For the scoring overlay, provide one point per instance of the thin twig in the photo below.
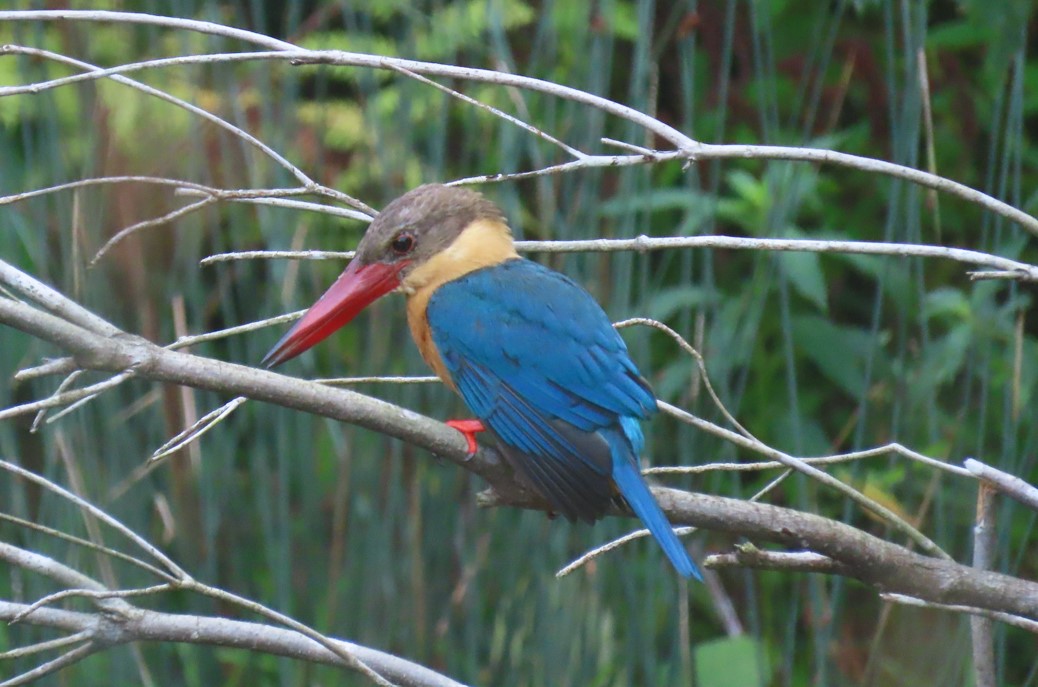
(491, 109)
(89, 594)
(39, 647)
(115, 75)
(345, 381)
(95, 72)
(259, 199)
(197, 429)
(176, 570)
(1007, 618)
(594, 553)
(345, 654)
(819, 460)
(899, 523)
(77, 397)
(1021, 270)
(86, 543)
(100, 181)
(63, 661)
(690, 149)
(153, 222)
(749, 556)
(65, 383)
(276, 255)
(700, 363)
(59, 399)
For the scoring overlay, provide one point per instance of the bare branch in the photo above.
(68, 658)
(153, 626)
(96, 594)
(1009, 485)
(599, 551)
(151, 20)
(154, 222)
(825, 478)
(981, 630)
(39, 647)
(257, 198)
(749, 556)
(818, 460)
(196, 430)
(129, 624)
(492, 110)
(97, 513)
(54, 302)
(65, 397)
(99, 181)
(86, 543)
(115, 75)
(276, 254)
(686, 147)
(874, 561)
(1007, 618)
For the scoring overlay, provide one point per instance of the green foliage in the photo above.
(812, 352)
(730, 662)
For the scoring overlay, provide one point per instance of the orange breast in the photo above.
(418, 322)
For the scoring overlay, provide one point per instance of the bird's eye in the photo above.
(403, 243)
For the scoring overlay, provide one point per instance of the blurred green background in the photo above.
(369, 540)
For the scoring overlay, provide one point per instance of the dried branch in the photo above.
(1004, 482)
(684, 147)
(981, 628)
(818, 545)
(1008, 619)
(133, 624)
(882, 564)
(1020, 270)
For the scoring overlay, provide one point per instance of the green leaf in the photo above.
(729, 662)
(837, 351)
(945, 357)
(659, 199)
(804, 271)
(670, 301)
(947, 302)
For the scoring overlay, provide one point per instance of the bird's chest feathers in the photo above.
(482, 244)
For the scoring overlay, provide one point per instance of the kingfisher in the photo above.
(531, 353)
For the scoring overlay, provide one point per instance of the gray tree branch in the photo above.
(883, 565)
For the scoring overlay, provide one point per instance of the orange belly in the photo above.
(418, 322)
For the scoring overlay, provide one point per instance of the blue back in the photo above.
(535, 357)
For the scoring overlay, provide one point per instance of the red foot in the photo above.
(469, 428)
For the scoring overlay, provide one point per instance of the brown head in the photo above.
(400, 249)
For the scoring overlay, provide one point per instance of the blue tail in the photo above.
(634, 489)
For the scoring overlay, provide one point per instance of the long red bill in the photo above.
(356, 288)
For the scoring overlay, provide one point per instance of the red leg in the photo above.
(469, 428)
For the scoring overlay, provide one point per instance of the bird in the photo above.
(531, 353)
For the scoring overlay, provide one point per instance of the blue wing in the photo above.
(536, 358)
